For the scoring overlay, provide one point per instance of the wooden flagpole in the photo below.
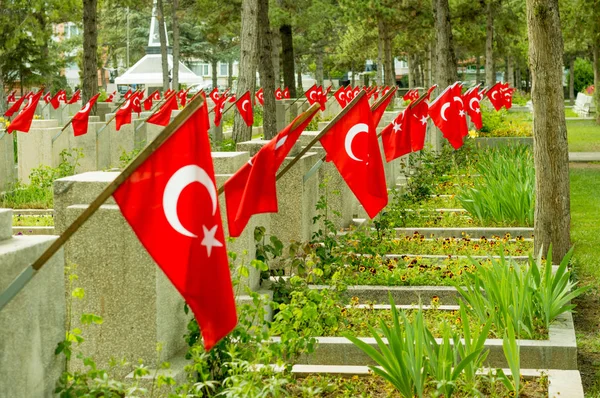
(154, 110)
(25, 276)
(114, 114)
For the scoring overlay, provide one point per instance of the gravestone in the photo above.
(7, 161)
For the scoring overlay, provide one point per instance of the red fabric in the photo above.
(214, 95)
(416, 123)
(430, 90)
(22, 121)
(396, 138)
(278, 94)
(260, 97)
(356, 91)
(352, 145)
(148, 103)
(231, 99)
(55, 101)
(244, 106)
(76, 97)
(380, 109)
(328, 89)
(183, 97)
(408, 95)
(349, 94)
(507, 93)
(340, 96)
(448, 115)
(47, 97)
(12, 96)
(312, 94)
(171, 203)
(471, 100)
(219, 105)
(252, 189)
(321, 98)
(163, 116)
(128, 94)
(286, 93)
(495, 96)
(15, 107)
(80, 120)
(155, 95)
(123, 114)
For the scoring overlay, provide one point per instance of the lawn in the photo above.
(584, 136)
(585, 235)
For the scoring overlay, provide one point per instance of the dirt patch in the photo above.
(584, 165)
(587, 324)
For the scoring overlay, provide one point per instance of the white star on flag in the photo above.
(397, 127)
(461, 113)
(477, 110)
(209, 240)
(424, 120)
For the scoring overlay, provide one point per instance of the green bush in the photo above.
(584, 74)
(505, 124)
(505, 191)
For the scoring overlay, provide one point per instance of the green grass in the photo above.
(569, 112)
(585, 236)
(584, 136)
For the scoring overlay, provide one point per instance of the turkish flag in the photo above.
(136, 99)
(278, 94)
(252, 189)
(155, 96)
(55, 101)
(80, 120)
(429, 91)
(448, 115)
(408, 95)
(128, 94)
(183, 97)
(416, 124)
(76, 97)
(340, 96)
(260, 96)
(396, 138)
(286, 93)
(380, 109)
(312, 94)
(163, 116)
(171, 203)
(349, 94)
(219, 106)
(471, 100)
(321, 98)
(123, 114)
(244, 106)
(352, 145)
(214, 95)
(22, 121)
(110, 97)
(12, 96)
(47, 97)
(507, 93)
(495, 96)
(356, 91)
(15, 107)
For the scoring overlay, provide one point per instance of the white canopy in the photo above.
(148, 71)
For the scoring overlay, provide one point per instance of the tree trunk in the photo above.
(247, 68)
(445, 59)
(90, 52)
(162, 36)
(3, 104)
(572, 80)
(506, 71)
(490, 71)
(411, 72)
(213, 72)
(353, 79)
(265, 69)
(276, 43)
(230, 73)
(551, 150)
(300, 87)
(429, 72)
(379, 61)
(389, 76)
(287, 55)
(477, 69)
(175, 29)
(518, 79)
(319, 67)
(511, 71)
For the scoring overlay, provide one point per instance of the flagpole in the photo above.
(154, 110)
(297, 98)
(28, 273)
(114, 114)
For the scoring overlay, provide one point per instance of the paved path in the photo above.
(584, 156)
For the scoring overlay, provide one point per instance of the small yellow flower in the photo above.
(403, 278)
(435, 300)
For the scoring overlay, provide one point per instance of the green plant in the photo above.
(127, 157)
(505, 192)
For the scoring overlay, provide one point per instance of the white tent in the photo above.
(148, 71)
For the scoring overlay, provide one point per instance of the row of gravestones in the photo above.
(121, 282)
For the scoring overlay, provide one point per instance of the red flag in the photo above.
(507, 93)
(128, 94)
(244, 106)
(219, 106)
(171, 203)
(22, 121)
(312, 94)
(396, 137)
(286, 93)
(495, 96)
(349, 94)
(214, 95)
(155, 96)
(408, 95)
(340, 96)
(380, 109)
(278, 94)
(471, 99)
(353, 147)
(252, 189)
(321, 98)
(136, 105)
(62, 96)
(183, 97)
(260, 96)
(76, 97)
(448, 115)
(47, 97)
(12, 96)
(416, 124)
(328, 90)
(429, 91)
(231, 99)
(80, 120)
(163, 116)
(55, 101)
(123, 114)
(15, 107)
(356, 91)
